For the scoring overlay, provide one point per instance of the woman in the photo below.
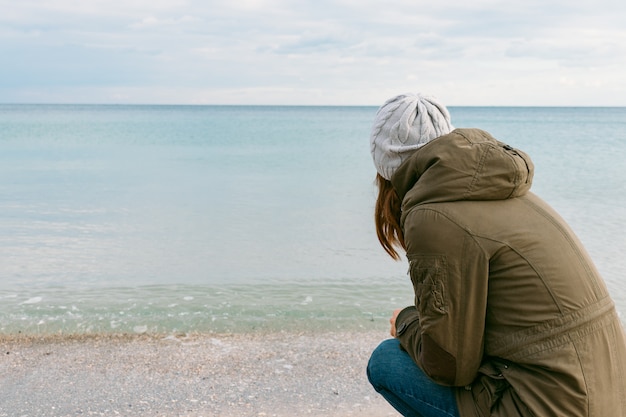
(511, 318)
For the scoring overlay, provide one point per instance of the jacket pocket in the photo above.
(488, 389)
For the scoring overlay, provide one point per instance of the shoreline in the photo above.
(253, 374)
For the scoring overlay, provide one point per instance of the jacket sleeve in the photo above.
(444, 333)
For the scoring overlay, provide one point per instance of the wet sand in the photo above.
(276, 374)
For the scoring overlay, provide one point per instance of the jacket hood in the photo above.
(466, 164)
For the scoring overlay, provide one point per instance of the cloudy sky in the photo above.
(341, 52)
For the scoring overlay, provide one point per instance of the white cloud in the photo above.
(324, 52)
(591, 49)
(153, 22)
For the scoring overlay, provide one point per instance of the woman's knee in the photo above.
(386, 349)
(381, 361)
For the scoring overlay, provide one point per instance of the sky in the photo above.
(317, 52)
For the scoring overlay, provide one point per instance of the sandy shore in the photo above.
(278, 374)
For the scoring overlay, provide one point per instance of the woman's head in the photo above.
(402, 125)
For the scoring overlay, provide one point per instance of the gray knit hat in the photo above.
(404, 124)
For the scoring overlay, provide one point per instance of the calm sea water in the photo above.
(236, 219)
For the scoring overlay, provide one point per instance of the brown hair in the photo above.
(387, 218)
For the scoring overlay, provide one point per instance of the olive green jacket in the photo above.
(508, 305)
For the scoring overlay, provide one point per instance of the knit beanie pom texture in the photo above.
(402, 125)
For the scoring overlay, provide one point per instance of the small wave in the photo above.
(33, 300)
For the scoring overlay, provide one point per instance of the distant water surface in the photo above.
(244, 218)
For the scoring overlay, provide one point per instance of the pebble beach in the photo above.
(275, 374)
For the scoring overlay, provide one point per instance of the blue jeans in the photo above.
(395, 376)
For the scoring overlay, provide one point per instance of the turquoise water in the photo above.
(234, 218)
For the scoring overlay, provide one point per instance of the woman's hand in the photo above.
(392, 321)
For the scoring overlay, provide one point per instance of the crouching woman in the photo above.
(511, 318)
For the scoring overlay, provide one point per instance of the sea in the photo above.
(233, 219)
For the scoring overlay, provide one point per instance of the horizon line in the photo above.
(297, 105)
